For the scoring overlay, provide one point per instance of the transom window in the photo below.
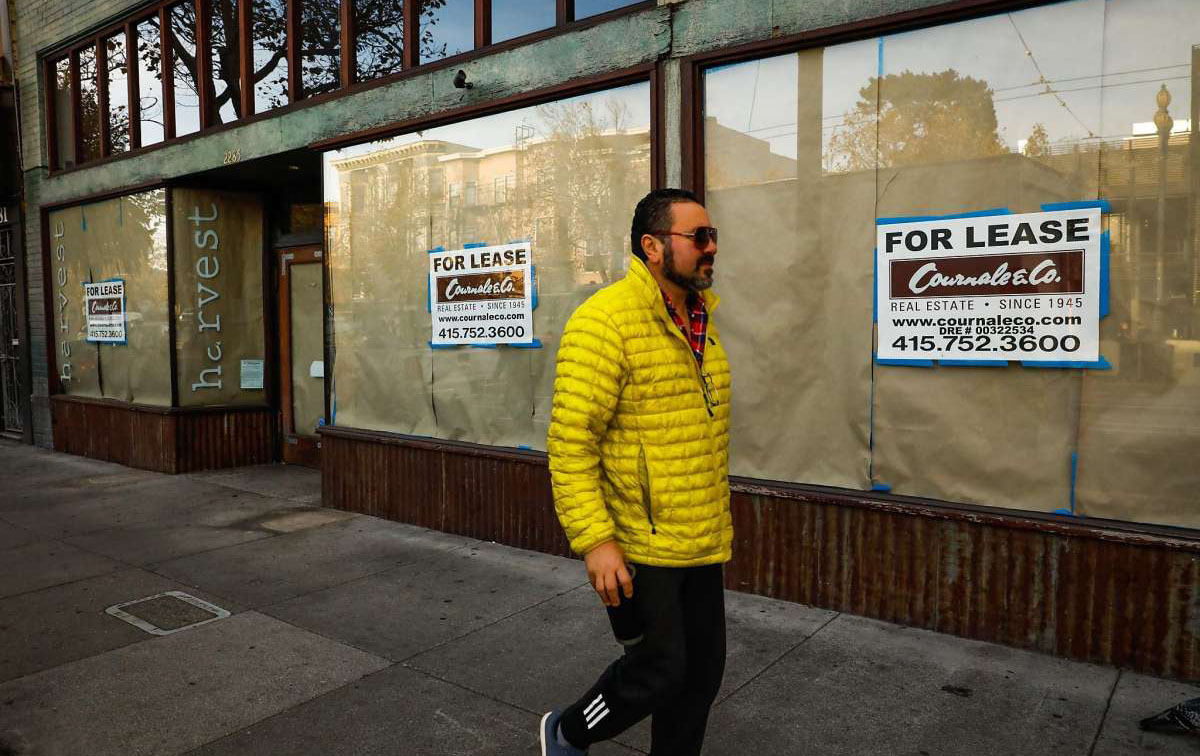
(184, 66)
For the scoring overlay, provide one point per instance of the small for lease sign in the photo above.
(104, 304)
(482, 295)
(991, 288)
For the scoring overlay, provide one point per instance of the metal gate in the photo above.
(10, 339)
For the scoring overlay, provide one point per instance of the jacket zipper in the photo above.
(704, 392)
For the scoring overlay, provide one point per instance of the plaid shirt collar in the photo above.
(695, 330)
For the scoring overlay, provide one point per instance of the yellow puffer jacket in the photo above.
(637, 454)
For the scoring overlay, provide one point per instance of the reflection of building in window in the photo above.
(572, 190)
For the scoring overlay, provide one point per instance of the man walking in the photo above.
(639, 460)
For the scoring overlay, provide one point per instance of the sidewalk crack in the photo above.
(775, 661)
(1104, 716)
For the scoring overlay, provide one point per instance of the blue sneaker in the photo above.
(549, 737)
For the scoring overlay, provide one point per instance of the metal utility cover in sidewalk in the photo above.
(166, 613)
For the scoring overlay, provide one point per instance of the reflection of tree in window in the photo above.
(597, 168)
(150, 89)
(117, 82)
(89, 105)
(1038, 143)
(447, 28)
(379, 46)
(321, 48)
(226, 60)
(917, 118)
(269, 38)
(183, 64)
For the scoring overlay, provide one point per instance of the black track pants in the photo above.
(673, 673)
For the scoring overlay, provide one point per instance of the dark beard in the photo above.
(696, 282)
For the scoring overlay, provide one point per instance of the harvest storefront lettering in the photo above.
(64, 321)
(208, 268)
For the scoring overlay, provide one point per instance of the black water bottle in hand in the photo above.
(624, 618)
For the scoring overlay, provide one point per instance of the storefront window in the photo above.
(64, 114)
(379, 44)
(569, 172)
(150, 84)
(225, 48)
(803, 153)
(219, 333)
(515, 18)
(321, 43)
(447, 28)
(269, 27)
(117, 81)
(112, 345)
(183, 65)
(89, 106)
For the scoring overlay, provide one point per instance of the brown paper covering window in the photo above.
(795, 184)
(124, 238)
(567, 179)
(218, 237)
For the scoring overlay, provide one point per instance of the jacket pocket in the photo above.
(644, 482)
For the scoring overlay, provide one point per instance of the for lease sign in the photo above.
(998, 287)
(482, 295)
(104, 306)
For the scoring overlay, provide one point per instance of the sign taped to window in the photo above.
(104, 307)
(990, 288)
(482, 295)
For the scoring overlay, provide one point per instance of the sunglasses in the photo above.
(700, 237)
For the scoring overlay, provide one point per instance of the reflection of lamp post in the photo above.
(1163, 122)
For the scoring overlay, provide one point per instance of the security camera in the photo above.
(460, 80)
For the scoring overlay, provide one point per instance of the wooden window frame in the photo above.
(348, 76)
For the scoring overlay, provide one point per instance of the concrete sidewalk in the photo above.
(353, 635)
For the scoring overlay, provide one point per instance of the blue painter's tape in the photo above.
(533, 286)
(526, 447)
(904, 363)
(879, 68)
(535, 344)
(955, 216)
(442, 346)
(880, 487)
(875, 288)
(1100, 364)
(428, 292)
(974, 363)
(475, 245)
(714, 69)
(1064, 512)
(1081, 205)
(1105, 257)
(485, 346)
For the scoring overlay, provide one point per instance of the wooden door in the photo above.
(301, 352)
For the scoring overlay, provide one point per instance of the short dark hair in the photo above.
(653, 213)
